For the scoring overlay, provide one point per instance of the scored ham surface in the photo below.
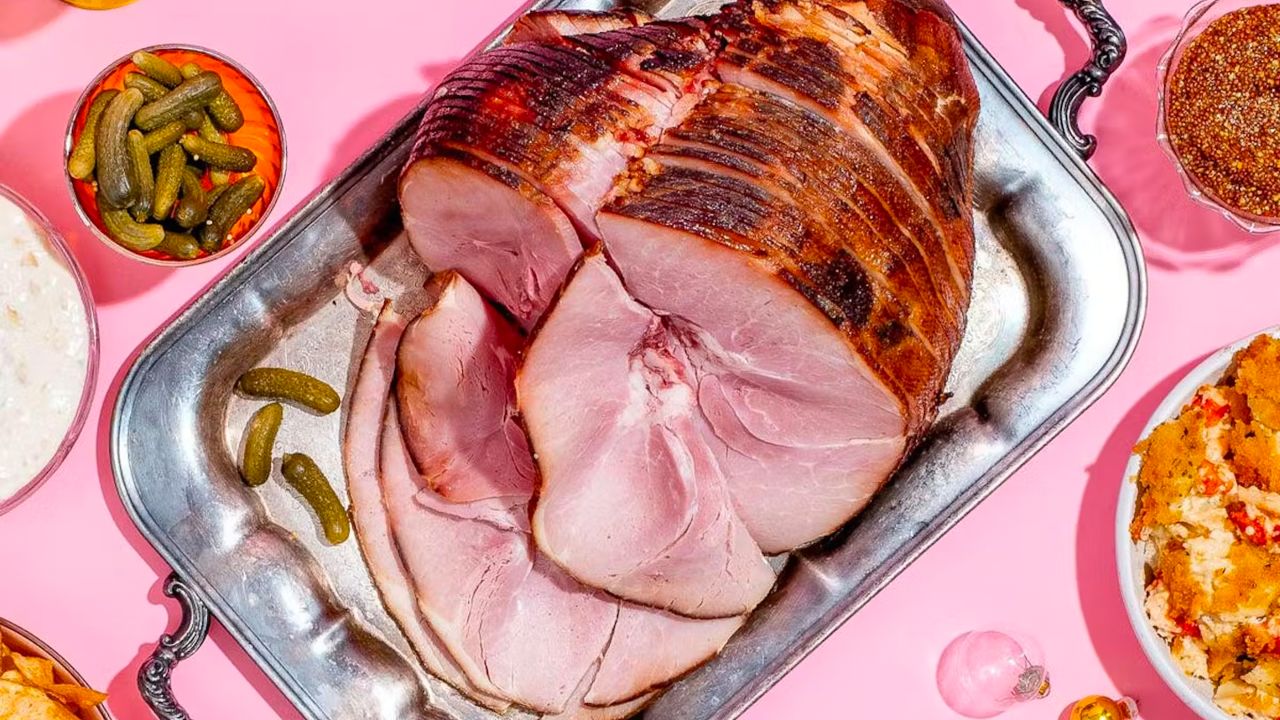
(738, 255)
(520, 147)
(555, 24)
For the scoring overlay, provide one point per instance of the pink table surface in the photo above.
(1037, 556)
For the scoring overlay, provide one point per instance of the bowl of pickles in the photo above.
(174, 155)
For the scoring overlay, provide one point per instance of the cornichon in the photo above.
(136, 236)
(303, 475)
(179, 245)
(81, 162)
(116, 182)
(215, 192)
(192, 94)
(141, 160)
(226, 113)
(233, 203)
(157, 68)
(193, 119)
(168, 179)
(219, 178)
(219, 155)
(209, 131)
(291, 385)
(150, 89)
(166, 135)
(194, 206)
(259, 441)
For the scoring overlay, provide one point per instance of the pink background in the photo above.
(1036, 557)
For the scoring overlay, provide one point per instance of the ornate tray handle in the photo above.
(1109, 49)
(153, 677)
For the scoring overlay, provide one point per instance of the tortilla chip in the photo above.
(82, 697)
(13, 676)
(38, 671)
(19, 702)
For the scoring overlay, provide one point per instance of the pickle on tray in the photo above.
(260, 440)
(303, 475)
(82, 161)
(291, 385)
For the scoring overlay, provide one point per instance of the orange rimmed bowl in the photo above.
(24, 642)
(262, 133)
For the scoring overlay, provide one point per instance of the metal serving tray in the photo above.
(1058, 304)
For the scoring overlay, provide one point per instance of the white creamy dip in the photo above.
(44, 348)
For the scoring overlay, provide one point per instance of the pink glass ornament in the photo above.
(983, 674)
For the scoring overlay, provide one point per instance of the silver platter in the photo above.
(1058, 304)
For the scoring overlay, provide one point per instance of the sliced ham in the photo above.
(512, 620)
(553, 24)
(517, 625)
(523, 144)
(632, 499)
(360, 455)
(455, 398)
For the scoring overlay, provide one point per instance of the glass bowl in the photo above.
(59, 249)
(1198, 18)
(263, 133)
(25, 643)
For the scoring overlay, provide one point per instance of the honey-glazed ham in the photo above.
(739, 252)
(521, 146)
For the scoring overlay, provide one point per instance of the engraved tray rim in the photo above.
(289, 229)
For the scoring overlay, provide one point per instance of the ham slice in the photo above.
(678, 545)
(360, 456)
(509, 619)
(455, 399)
(517, 625)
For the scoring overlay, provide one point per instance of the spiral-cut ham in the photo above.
(775, 203)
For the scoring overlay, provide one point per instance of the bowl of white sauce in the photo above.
(48, 349)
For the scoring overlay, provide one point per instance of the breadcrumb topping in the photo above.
(1208, 514)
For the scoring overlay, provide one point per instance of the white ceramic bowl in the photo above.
(1130, 558)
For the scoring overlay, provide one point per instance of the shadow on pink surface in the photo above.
(1060, 23)
(126, 701)
(373, 126)
(1178, 234)
(22, 18)
(31, 157)
(1099, 584)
